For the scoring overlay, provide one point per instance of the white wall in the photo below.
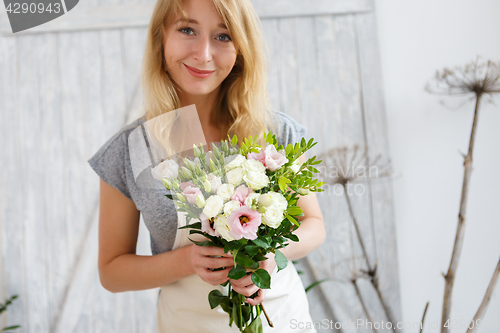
(417, 38)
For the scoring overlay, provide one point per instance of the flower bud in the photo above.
(200, 201)
(207, 186)
(304, 191)
(167, 183)
(181, 197)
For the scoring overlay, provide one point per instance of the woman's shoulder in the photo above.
(120, 138)
(111, 161)
(287, 129)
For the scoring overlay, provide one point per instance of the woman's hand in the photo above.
(203, 263)
(246, 287)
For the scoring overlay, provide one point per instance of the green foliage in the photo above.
(3, 308)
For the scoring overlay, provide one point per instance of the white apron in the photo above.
(183, 305)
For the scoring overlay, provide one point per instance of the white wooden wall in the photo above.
(68, 85)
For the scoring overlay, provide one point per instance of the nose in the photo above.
(203, 49)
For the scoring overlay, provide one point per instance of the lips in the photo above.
(198, 72)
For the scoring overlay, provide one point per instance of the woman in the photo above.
(208, 53)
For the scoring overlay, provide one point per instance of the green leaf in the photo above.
(261, 243)
(283, 181)
(215, 297)
(292, 219)
(281, 260)
(292, 237)
(204, 243)
(245, 312)
(255, 326)
(244, 260)
(294, 210)
(259, 257)
(169, 196)
(237, 272)
(261, 279)
(255, 265)
(252, 249)
(192, 226)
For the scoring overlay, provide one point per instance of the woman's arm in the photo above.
(121, 269)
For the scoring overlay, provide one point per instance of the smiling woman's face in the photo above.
(200, 53)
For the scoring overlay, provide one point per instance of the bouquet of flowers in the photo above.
(244, 201)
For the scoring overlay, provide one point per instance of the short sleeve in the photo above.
(288, 129)
(109, 162)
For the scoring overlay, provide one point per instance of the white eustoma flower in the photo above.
(167, 169)
(256, 180)
(213, 206)
(250, 199)
(273, 216)
(233, 161)
(252, 165)
(275, 159)
(225, 191)
(235, 176)
(222, 226)
(295, 167)
(230, 206)
(215, 182)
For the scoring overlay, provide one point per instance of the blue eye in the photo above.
(186, 30)
(225, 38)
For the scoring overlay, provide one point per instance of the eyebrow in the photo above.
(220, 25)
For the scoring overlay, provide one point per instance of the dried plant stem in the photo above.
(423, 317)
(358, 293)
(358, 233)
(486, 299)
(457, 247)
(267, 317)
(371, 271)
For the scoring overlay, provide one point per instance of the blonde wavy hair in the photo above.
(242, 107)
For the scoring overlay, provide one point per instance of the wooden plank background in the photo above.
(68, 85)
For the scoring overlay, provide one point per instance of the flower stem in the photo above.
(265, 314)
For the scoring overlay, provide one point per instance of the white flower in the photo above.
(250, 198)
(252, 165)
(167, 169)
(235, 176)
(279, 200)
(215, 181)
(213, 206)
(233, 161)
(256, 180)
(295, 168)
(230, 206)
(225, 191)
(222, 226)
(273, 216)
(266, 200)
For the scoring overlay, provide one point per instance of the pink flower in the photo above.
(244, 223)
(241, 193)
(207, 225)
(190, 191)
(261, 157)
(274, 159)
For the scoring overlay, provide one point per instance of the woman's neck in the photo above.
(204, 106)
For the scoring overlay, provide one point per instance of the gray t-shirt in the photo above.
(112, 163)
